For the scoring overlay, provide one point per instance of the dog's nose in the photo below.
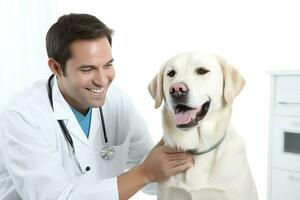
(178, 89)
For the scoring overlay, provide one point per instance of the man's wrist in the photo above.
(144, 174)
(132, 181)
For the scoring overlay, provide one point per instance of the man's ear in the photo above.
(232, 79)
(55, 67)
(156, 87)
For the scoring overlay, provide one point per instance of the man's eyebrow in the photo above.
(86, 66)
(109, 62)
(93, 66)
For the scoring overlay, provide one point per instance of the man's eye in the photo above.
(108, 65)
(86, 70)
(201, 70)
(171, 73)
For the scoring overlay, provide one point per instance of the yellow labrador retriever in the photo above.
(198, 90)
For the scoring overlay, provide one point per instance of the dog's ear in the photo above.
(233, 81)
(156, 87)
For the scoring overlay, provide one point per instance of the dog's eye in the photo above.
(171, 73)
(202, 70)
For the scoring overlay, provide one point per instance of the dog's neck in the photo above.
(210, 130)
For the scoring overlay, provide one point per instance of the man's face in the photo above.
(89, 73)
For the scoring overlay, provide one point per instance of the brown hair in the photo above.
(69, 28)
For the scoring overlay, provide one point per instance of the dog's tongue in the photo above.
(184, 117)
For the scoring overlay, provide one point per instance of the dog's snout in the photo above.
(178, 89)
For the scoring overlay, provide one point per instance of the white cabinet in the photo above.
(286, 94)
(285, 185)
(284, 138)
(285, 143)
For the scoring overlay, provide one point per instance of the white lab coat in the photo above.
(36, 162)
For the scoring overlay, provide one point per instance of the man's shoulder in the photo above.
(29, 98)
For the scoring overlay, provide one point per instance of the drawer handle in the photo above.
(294, 178)
(288, 103)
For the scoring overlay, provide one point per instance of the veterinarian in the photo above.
(73, 136)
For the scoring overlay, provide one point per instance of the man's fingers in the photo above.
(177, 162)
(182, 167)
(169, 149)
(180, 156)
(160, 143)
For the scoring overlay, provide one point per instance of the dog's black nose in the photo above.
(178, 90)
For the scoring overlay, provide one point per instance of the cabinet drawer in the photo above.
(285, 142)
(285, 185)
(286, 99)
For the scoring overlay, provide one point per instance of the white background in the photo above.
(256, 36)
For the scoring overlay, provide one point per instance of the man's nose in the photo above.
(100, 78)
(178, 90)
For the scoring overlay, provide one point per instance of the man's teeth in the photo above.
(96, 91)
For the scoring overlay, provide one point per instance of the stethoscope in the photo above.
(107, 152)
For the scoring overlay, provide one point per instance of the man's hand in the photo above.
(163, 162)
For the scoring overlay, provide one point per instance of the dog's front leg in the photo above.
(174, 193)
(199, 174)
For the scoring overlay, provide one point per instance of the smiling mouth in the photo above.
(187, 117)
(96, 91)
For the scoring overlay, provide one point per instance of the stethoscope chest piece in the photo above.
(107, 152)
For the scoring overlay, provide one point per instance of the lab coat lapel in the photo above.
(94, 128)
(62, 111)
(76, 130)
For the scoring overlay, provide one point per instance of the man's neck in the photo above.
(70, 101)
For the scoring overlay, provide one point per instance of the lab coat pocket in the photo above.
(117, 164)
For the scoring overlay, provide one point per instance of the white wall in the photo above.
(255, 36)
(23, 26)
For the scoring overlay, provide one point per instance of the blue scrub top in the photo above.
(83, 120)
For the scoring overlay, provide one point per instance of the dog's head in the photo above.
(194, 85)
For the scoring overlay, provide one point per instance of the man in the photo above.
(55, 141)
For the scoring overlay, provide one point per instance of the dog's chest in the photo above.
(196, 176)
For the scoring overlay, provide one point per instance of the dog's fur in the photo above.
(223, 173)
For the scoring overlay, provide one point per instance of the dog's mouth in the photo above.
(187, 117)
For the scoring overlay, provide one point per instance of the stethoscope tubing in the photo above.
(65, 130)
